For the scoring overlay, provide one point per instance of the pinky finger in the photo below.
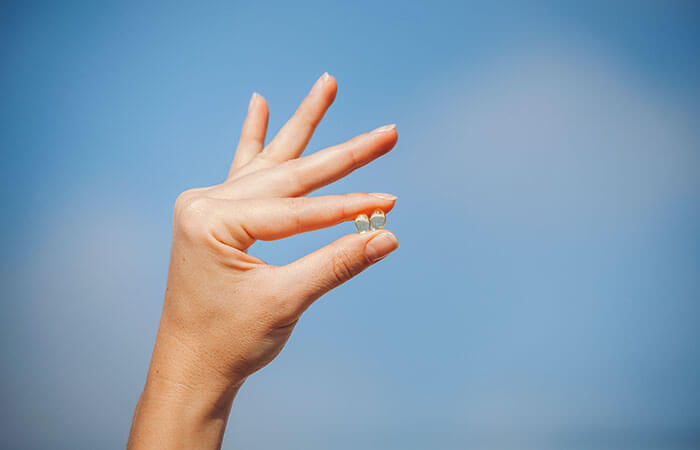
(253, 133)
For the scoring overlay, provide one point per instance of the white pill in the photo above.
(362, 223)
(377, 220)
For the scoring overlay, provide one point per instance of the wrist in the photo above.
(180, 370)
(170, 416)
(184, 404)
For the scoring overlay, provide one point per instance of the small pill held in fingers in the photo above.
(362, 223)
(377, 220)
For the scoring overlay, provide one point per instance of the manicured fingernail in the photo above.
(321, 81)
(253, 99)
(381, 245)
(383, 196)
(385, 128)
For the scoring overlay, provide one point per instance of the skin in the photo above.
(226, 313)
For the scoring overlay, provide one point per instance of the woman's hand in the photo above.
(227, 313)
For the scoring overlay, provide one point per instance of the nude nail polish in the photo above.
(321, 80)
(385, 128)
(253, 99)
(383, 196)
(380, 246)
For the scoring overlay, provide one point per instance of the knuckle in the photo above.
(349, 158)
(295, 181)
(267, 156)
(182, 200)
(191, 213)
(297, 204)
(309, 123)
(296, 207)
(307, 118)
(342, 267)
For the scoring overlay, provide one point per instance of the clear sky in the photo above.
(547, 289)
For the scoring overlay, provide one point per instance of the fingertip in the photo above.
(387, 201)
(262, 103)
(381, 244)
(357, 203)
(384, 196)
(385, 140)
(332, 86)
(253, 101)
(387, 134)
(390, 234)
(326, 86)
(332, 82)
(257, 104)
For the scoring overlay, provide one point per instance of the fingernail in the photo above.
(380, 246)
(253, 98)
(385, 128)
(321, 80)
(383, 196)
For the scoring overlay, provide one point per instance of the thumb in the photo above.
(320, 271)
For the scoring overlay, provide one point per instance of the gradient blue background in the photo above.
(547, 289)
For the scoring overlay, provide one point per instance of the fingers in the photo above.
(334, 163)
(296, 133)
(304, 175)
(277, 218)
(315, 274)
(253, 133)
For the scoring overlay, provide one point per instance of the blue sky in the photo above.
(546, 293)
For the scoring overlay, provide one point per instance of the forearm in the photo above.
(182, 405)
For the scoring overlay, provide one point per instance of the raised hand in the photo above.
(227, 313)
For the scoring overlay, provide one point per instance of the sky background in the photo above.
(547, 289)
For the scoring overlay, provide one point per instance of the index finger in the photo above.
(277, 218)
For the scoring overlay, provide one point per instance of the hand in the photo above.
(227, 313)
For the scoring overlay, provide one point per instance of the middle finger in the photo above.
(304, 175)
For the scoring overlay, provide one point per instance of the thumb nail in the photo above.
(381, 245)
